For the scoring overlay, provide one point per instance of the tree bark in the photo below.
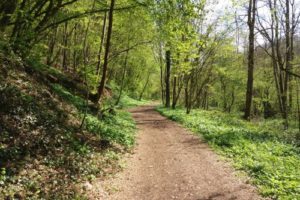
(298, 105)
(65, 42)
(51, 44)
(288, 54)
(101, 44)
(176, 97)
(251, 24)
(161, 74)
(145, 86)
(7, 8)
(107, 47)
(75, 50)
(168, 74)
(174, 92)
(123, 78)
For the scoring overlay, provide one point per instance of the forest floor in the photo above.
(171, 163)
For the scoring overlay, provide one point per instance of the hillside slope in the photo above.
(44, 151)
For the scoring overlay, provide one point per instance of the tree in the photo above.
(251, 26)
(167, 78)
(107, 47)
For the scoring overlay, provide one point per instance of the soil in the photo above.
(170, 162)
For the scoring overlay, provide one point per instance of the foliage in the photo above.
(259, 148)
(43, 153)
(117, 127)
(127, 102)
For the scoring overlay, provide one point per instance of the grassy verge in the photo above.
(266, 152)
(128, 102)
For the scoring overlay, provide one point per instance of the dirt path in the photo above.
(170, 163)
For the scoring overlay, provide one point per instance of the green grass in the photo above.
(265, 151)
(118, 127)
(128, 102)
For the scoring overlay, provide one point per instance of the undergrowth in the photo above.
(264, 150)
(43, 153)
(118, 127)
(128, 102)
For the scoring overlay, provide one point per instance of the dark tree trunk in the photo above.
(107, 47)
(65, 42)
(191, 90)
(174, 92)
(7, 8)
(224, 88)
(186, 97)
(176, 97)
(187, 93)
(101, 44)
(51, 44)
(161, 74)
(167, 80)
(75, 51)
(251, 24)
(15, 35)
(204, 99)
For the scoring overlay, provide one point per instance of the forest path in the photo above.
(170, 163)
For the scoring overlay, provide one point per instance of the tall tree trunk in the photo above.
(145, 86)
(191, 91)
(288, 54)
(65, 42)
(204, 99)
(51, 44)
(223, 87)
(107, 47)
(7, 8)
(251, 24)
(168, 74)
(174, 92)
(75, 50)
(18, 23)
(123, 77)
(291, 69)
(85, 63)
(279, 66)
(298, 105)
(161, 74)
(176, 97)
(85, 42)
(101, 44)
(187, 92)
(186, 98)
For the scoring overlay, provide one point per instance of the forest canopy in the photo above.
(196, 54)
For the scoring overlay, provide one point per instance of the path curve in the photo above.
(171, 163)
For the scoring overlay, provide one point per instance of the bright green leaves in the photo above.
(176, 24)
